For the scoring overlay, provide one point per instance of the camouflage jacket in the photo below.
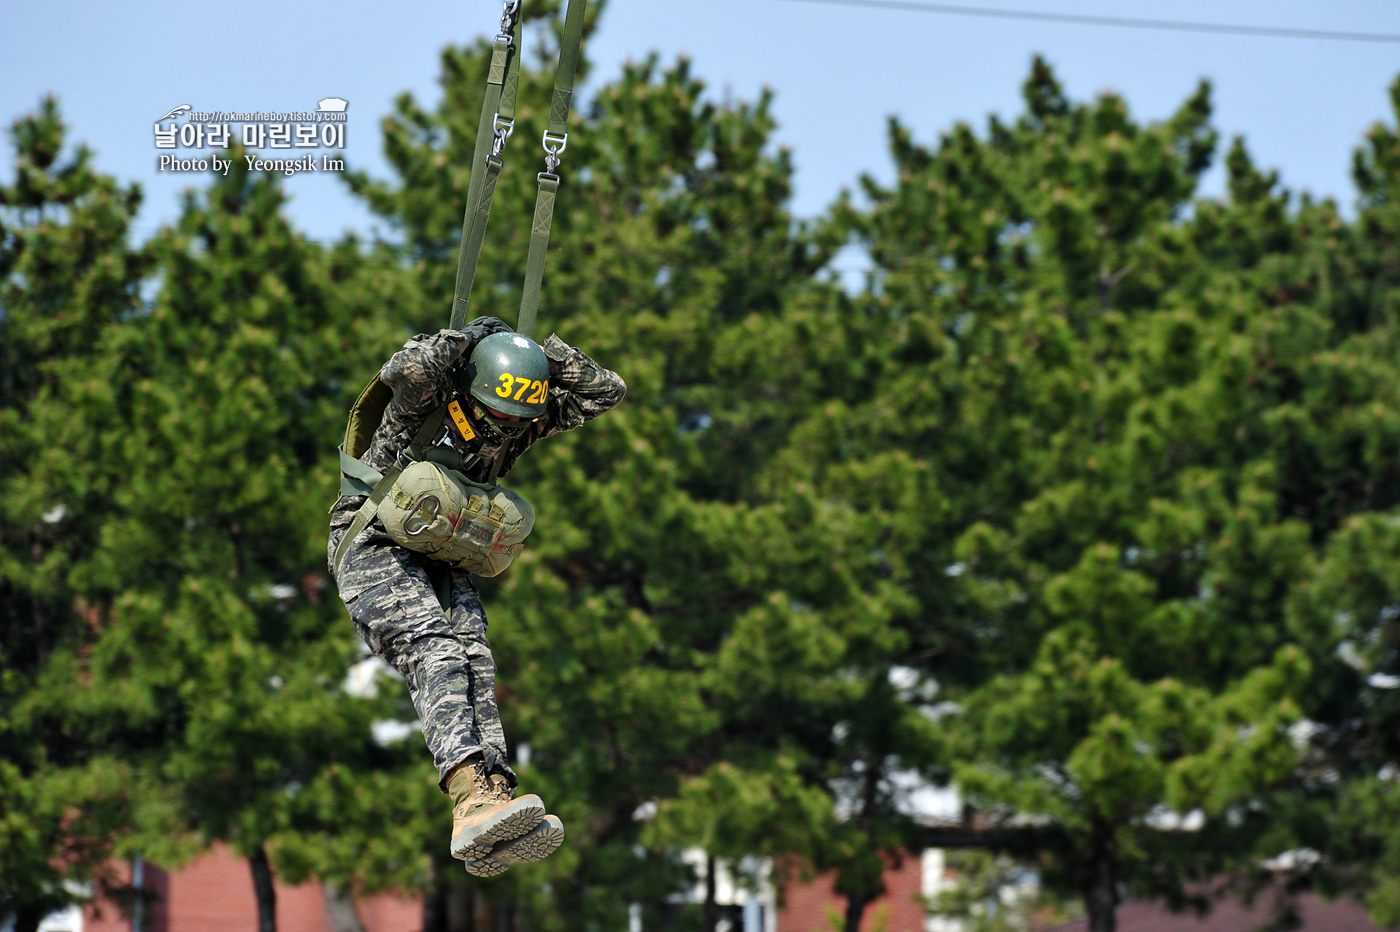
(421, 375)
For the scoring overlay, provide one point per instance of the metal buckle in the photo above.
(502, 130)
(415, 518)
(553, 145)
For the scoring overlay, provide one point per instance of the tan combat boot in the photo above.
(538, 843)
(483, 812)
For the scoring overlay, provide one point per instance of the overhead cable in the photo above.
(1121, 21)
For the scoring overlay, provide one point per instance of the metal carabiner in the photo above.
(501, 130)
(508, 18)
(551, 152)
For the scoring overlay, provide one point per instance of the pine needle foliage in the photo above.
(1086, 504)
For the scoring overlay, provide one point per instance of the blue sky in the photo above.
(838, 72)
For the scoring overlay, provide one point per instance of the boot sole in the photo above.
(535, 845)
(476, 841)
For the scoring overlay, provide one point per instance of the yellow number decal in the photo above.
(507, 382)
(524, 387)
(539, 394)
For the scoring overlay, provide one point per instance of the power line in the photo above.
(1162, 24)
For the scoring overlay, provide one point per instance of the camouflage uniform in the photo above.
(389, 589)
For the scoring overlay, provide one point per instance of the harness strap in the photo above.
(500, 460)
(497, 123)
(385, 481)
(568, 64)
(555, 140)
(356, 476)
(539, 247)
(511, 88)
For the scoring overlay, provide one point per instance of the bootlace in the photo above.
(494, 788)
(500, 790)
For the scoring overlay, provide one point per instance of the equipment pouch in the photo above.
(441, 513)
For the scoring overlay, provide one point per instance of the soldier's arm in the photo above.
(580, 389)
(417, 370)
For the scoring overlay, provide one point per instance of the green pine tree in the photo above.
(1085, 504)
(1100, 373)
(224, 633)
(68, 281)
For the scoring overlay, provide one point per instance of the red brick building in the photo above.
(807, 907)
(214, 893)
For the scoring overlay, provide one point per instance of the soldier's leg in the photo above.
(469, 623)
(450, 673)
(400, 619)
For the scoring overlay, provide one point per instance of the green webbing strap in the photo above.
(500, 461)
(386, 482)
(568, 63)
(475, 220)
(510, 90)
(466, 260)
(539, 247)
(497, 123)
(356, 476)
(474, 233)
(556, 139)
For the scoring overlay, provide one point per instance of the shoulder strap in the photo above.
(356, 476)
(499, 462)
(497, 123)
(365, 416)
(431, 425)
(386, 481)
(556, 140)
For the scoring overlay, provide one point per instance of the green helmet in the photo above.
(510, 374)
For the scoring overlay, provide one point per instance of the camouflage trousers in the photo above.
(443, 655)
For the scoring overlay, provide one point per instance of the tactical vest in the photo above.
(426, 506)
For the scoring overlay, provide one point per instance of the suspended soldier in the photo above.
(427, 537)
(420, 508)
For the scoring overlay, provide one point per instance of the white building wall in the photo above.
(933, 880)
(760, 905)
(68, 920)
